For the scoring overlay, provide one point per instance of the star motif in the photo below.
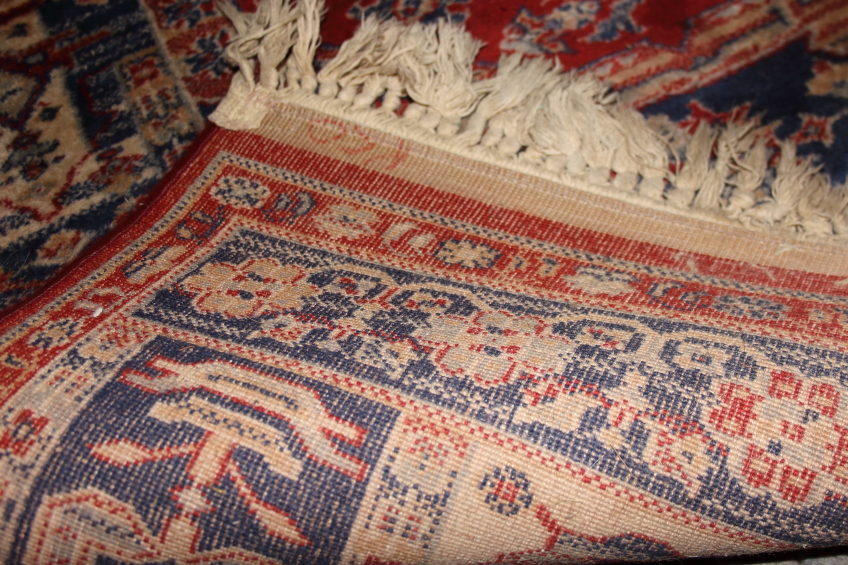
(816, 128)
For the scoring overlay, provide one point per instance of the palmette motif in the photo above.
(304, 359)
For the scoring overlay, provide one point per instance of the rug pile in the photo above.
(98, 100)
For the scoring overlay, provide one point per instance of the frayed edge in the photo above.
(531, 117)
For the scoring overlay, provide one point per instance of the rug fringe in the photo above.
(531, 116)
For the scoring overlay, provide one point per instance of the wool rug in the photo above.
(348, 329)
(99, 99)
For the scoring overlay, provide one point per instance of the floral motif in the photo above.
(467, 254)
(788, 423)
(507, 491)
(240, 192)
(343, 221)
(495, 348)
(251, 288)
(23, 433)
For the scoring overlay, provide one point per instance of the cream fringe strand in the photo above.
(531, 117)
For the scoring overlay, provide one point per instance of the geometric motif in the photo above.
(107, 96)
(679, 425)
(507, 491)
(294, 358)
(93, 111)
(676, 423)
(152, 470)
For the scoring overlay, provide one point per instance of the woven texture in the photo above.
(326, 344)
(99, 99)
